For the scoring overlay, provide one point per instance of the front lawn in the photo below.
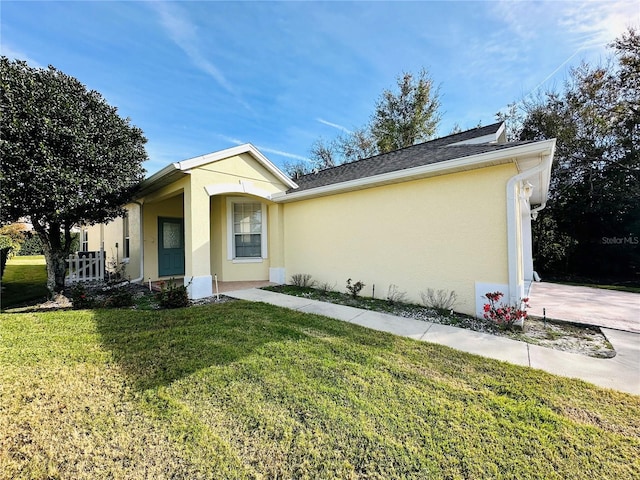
(246, 390)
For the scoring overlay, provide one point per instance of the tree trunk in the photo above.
(56, 270)
(56, 251)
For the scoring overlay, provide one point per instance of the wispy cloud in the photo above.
(264, 149)
(598, 23)
(591, 23)
(184, 33)
(334, 125)
(235, 141)
(283, 154)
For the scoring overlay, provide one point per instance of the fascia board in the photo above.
(450, 166)
(150, 184)
(489, 138)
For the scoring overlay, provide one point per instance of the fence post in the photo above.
(101, 264)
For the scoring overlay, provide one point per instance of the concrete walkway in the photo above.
(590, 306)
(620, 373)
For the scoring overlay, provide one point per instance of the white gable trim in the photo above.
(491, 138)
(232, 152)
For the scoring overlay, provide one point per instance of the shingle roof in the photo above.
(433, 151)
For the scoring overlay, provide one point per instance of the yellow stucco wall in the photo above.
(444, 232)
(230, 270)
(171, 207)
(111, 234)
(237, 174)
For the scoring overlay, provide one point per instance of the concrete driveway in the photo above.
(592, 306)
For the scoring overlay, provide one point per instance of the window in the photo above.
(84, 244)
(125, 239)
(247, 230)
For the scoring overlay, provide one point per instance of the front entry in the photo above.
(170, 246)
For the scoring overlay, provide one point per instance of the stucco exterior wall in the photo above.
(112, 237)
(171, 207)
(230, 270)
(446, 232)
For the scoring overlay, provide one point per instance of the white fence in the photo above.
(85, 266)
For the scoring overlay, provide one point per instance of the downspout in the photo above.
(512, 221)
(141, 277)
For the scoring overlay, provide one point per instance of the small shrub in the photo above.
(172, 295)
(80, 296)
(116, 271)
(302, 280)
(326, 287)
(119, 297)
(394, 295)
(354, 288)
(440, 300)
(504, 315)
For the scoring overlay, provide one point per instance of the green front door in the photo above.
(170, 246)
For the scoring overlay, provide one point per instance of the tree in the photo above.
(68, 158)
(402, 118)
(590, 226)
(407, 117)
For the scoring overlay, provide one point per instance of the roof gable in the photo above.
(177, 170)
(192, 163)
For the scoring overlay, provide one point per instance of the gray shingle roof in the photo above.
(433, 151)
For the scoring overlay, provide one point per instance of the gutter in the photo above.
(512, 219)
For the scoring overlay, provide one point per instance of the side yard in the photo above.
(246, 390)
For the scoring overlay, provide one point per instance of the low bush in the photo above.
(395, 296)
(354, 288)
(172, 295)
(439, 300)
(80, 296)
(503, 314)
(325, 287)
(302, 280)
(119, 297)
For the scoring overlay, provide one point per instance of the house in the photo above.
(452, 213)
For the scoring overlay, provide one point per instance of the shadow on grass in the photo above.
(23, 284)
(156, 348)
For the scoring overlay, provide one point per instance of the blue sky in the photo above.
(198, 77)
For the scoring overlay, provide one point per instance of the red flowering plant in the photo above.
(80, 296)
(504, 315)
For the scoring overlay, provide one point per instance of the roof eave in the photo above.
(495, 157)
(159, 179)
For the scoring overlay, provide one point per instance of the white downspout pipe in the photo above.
(512, 222)
(141, 277)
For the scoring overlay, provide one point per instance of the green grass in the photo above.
(24, 280)
(245, 390)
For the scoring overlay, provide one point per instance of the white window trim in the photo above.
(84, 240)
(230, 236)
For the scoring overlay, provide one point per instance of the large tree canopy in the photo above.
(401, 118)
(408, 116)
(68, 158)
(591, 225)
